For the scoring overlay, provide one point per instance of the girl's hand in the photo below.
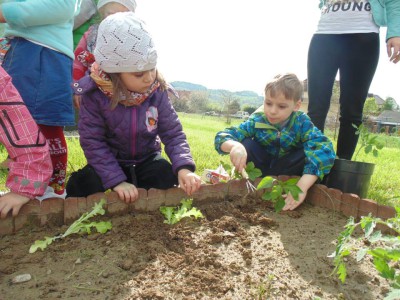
(127, 192)
(11, 202)
(188, 181)
(238, 156)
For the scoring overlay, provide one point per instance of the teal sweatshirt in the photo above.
(45, 22)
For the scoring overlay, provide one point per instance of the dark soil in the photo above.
(240, 250)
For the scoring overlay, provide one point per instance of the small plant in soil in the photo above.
(276, 190)
(251, 172)
(174, 214)
(384, 249)
(80, 226)
(368, 142)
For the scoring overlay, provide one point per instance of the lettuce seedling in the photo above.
(276, 189)
(174, 214)
(82, 225)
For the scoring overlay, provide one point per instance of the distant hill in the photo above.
(217, 95)
(187, 86)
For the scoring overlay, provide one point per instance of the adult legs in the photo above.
(322, 67)
(357, 69)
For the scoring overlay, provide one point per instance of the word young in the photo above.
(354, 6)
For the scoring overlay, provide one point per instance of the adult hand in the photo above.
(188, 181)
(11, 202)
(127, 192)
(393, 49)
(238, 156)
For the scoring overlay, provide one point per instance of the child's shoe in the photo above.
(49, 193)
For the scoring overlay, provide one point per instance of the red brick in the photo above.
(91, 201)
(366, 207)
(29, 215)
(312, 194)
(317, 195)
(174, 196)
(350, 203)
(6, 226)
(237, 188)
(386, 212)
(52, 211)
(71, 210)
(155, 199)
(141, 203)
(213, 192)
(333, 199)
(116, 206)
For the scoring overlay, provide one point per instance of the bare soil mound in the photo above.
(240, 250)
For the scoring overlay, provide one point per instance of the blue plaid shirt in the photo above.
(298, 132)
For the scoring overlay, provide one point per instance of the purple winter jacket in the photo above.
(128, 135)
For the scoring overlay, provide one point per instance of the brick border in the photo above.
(60, 212)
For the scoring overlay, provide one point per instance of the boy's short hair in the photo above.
(288, 84)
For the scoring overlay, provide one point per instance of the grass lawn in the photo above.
(201, 130)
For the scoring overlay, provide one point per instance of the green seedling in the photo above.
(277, 189)
(250, 169)
(80, 226)
(250, 173)
(368, 142)
(174, 214)
(384, 249)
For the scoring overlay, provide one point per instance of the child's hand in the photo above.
(305, 182)
(238, 156)
(127, 192)
(188, 181)
(291, 203)
(11, 202)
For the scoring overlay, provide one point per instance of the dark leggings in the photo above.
(356, 57)
(290, 164)
(155, 172)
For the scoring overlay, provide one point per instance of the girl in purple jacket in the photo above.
(125, 115)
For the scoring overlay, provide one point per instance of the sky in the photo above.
(240, 45)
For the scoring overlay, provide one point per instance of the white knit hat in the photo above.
(124, 44)
(129, 4)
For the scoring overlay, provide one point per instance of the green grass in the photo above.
(201, 130)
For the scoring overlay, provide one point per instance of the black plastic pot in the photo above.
(350, 176)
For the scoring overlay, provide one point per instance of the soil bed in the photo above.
(241, 250)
